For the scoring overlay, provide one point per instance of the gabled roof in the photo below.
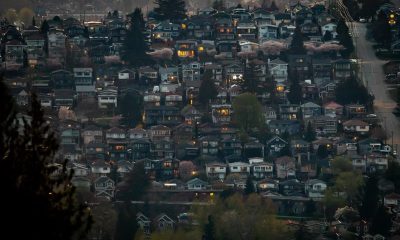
(103, 179)
(332, 105)
(276, 138)
(310, 104)
(196, 180)
(355, 122)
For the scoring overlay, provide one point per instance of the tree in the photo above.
(126, 223)
(249, 189)
(295, 95)
(349, 183)
(33, 21)
(135, 46)
(369, 7)
(322, 152)
(341, 164)
(105, 219)
(26, 15)
(381, 222)
(310, 208)
(207, 90)
(310, 133)
(327, 36)
(218, 5)
(250, 80)
(186, 169)
(209, 229)
(370, 200)
(353, 8)
(135, 184)
(273, 7)
(297, 44)
(40, 195)
(248, 111)
(344, 38)
(382, 31)
(393, 174)
(302, 233)
(11, 15)
(352, 91)
(173, 10)
(131, 108)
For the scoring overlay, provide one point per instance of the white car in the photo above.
(362, 20)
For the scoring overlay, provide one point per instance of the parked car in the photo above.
(362, 20)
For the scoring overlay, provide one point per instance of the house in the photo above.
(315, 188)
(159, 132)
(231, 146)
(369, 145)
(162, 149)
(310, 110)
(186, 49)
(281, 126)
(325, 125)
(288, 111)
(196, 184)
(291, 187)
(143, 222)
(377, 162)
(217, 72)
(123, 168)
(359, 163)
(253, 149)
(209, 145)
(148, 75)
(84, 84)
(216, 171)
(322, 70)
(278, 69)
(14, 54)
(64, 98)
(166, 31)
(262, 16)
(163, 222)
(234, 73)
(285, 167)
(356, 126)
(162, 115)
(268, 185)
(200, 27)
(137, 133)
(191, 72)
(169, 74)
(241, 168)
(80, 170)
(126, 75)
(246, 30)
(191, 114)
(221, 113)
(300, 66)
(62, 79)
(299, 147)
(310, 29)
(81, 183)
(223, 27)
(56, 46)
(140, 148)
(275, 145)
(115, 133)
(96, 151)
(100, 168)
(104, 187)
(333, 109)
(267, 32)
(108, 97)
(391, 200)
(261, 170)
(343, 69)
(92, 133)
(355, 111)
(329, 26)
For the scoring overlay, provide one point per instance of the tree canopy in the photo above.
(297, 44)
(172, 10)
(248, 111)
(207, 90)
(131, 108)
(38, 193)
(352, 91)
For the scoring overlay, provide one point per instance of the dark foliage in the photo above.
(173, 10)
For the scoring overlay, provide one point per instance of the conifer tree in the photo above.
(135, 47)
(249, 189)
(310, 133)
(173, 10)
(207, 90)
(38, 194)
(297, 44)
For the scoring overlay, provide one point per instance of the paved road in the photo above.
(373, 77)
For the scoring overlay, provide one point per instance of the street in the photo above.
(373, 77)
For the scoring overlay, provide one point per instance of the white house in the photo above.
(315, 188)
(126, 74)
(104, 187)
(108, 97)
(331, 27)
(100, 168)
(262, 169)
(240, 168)
(216, 170)
(80, 170)
(278, 69)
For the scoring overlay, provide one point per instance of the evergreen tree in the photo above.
(249, 189)
(207, 90)
(250, 80)
(352, 91)
(135, 184)
(352, 6)
(322, 151)
(369, 7)
(370, 200)
(135, 46)
(341, 27)
(295, 95)
(126, 223)
(381, 222)
(344, 38)
(33, 21)
(44, 29)
(273, 7)
(40, 195)
(248, 112)
(310, 208)
(297, 44)
(131, 107)
(382, 31)
(209, 229)
(218, 5)
(173, 10)
(310, 133)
